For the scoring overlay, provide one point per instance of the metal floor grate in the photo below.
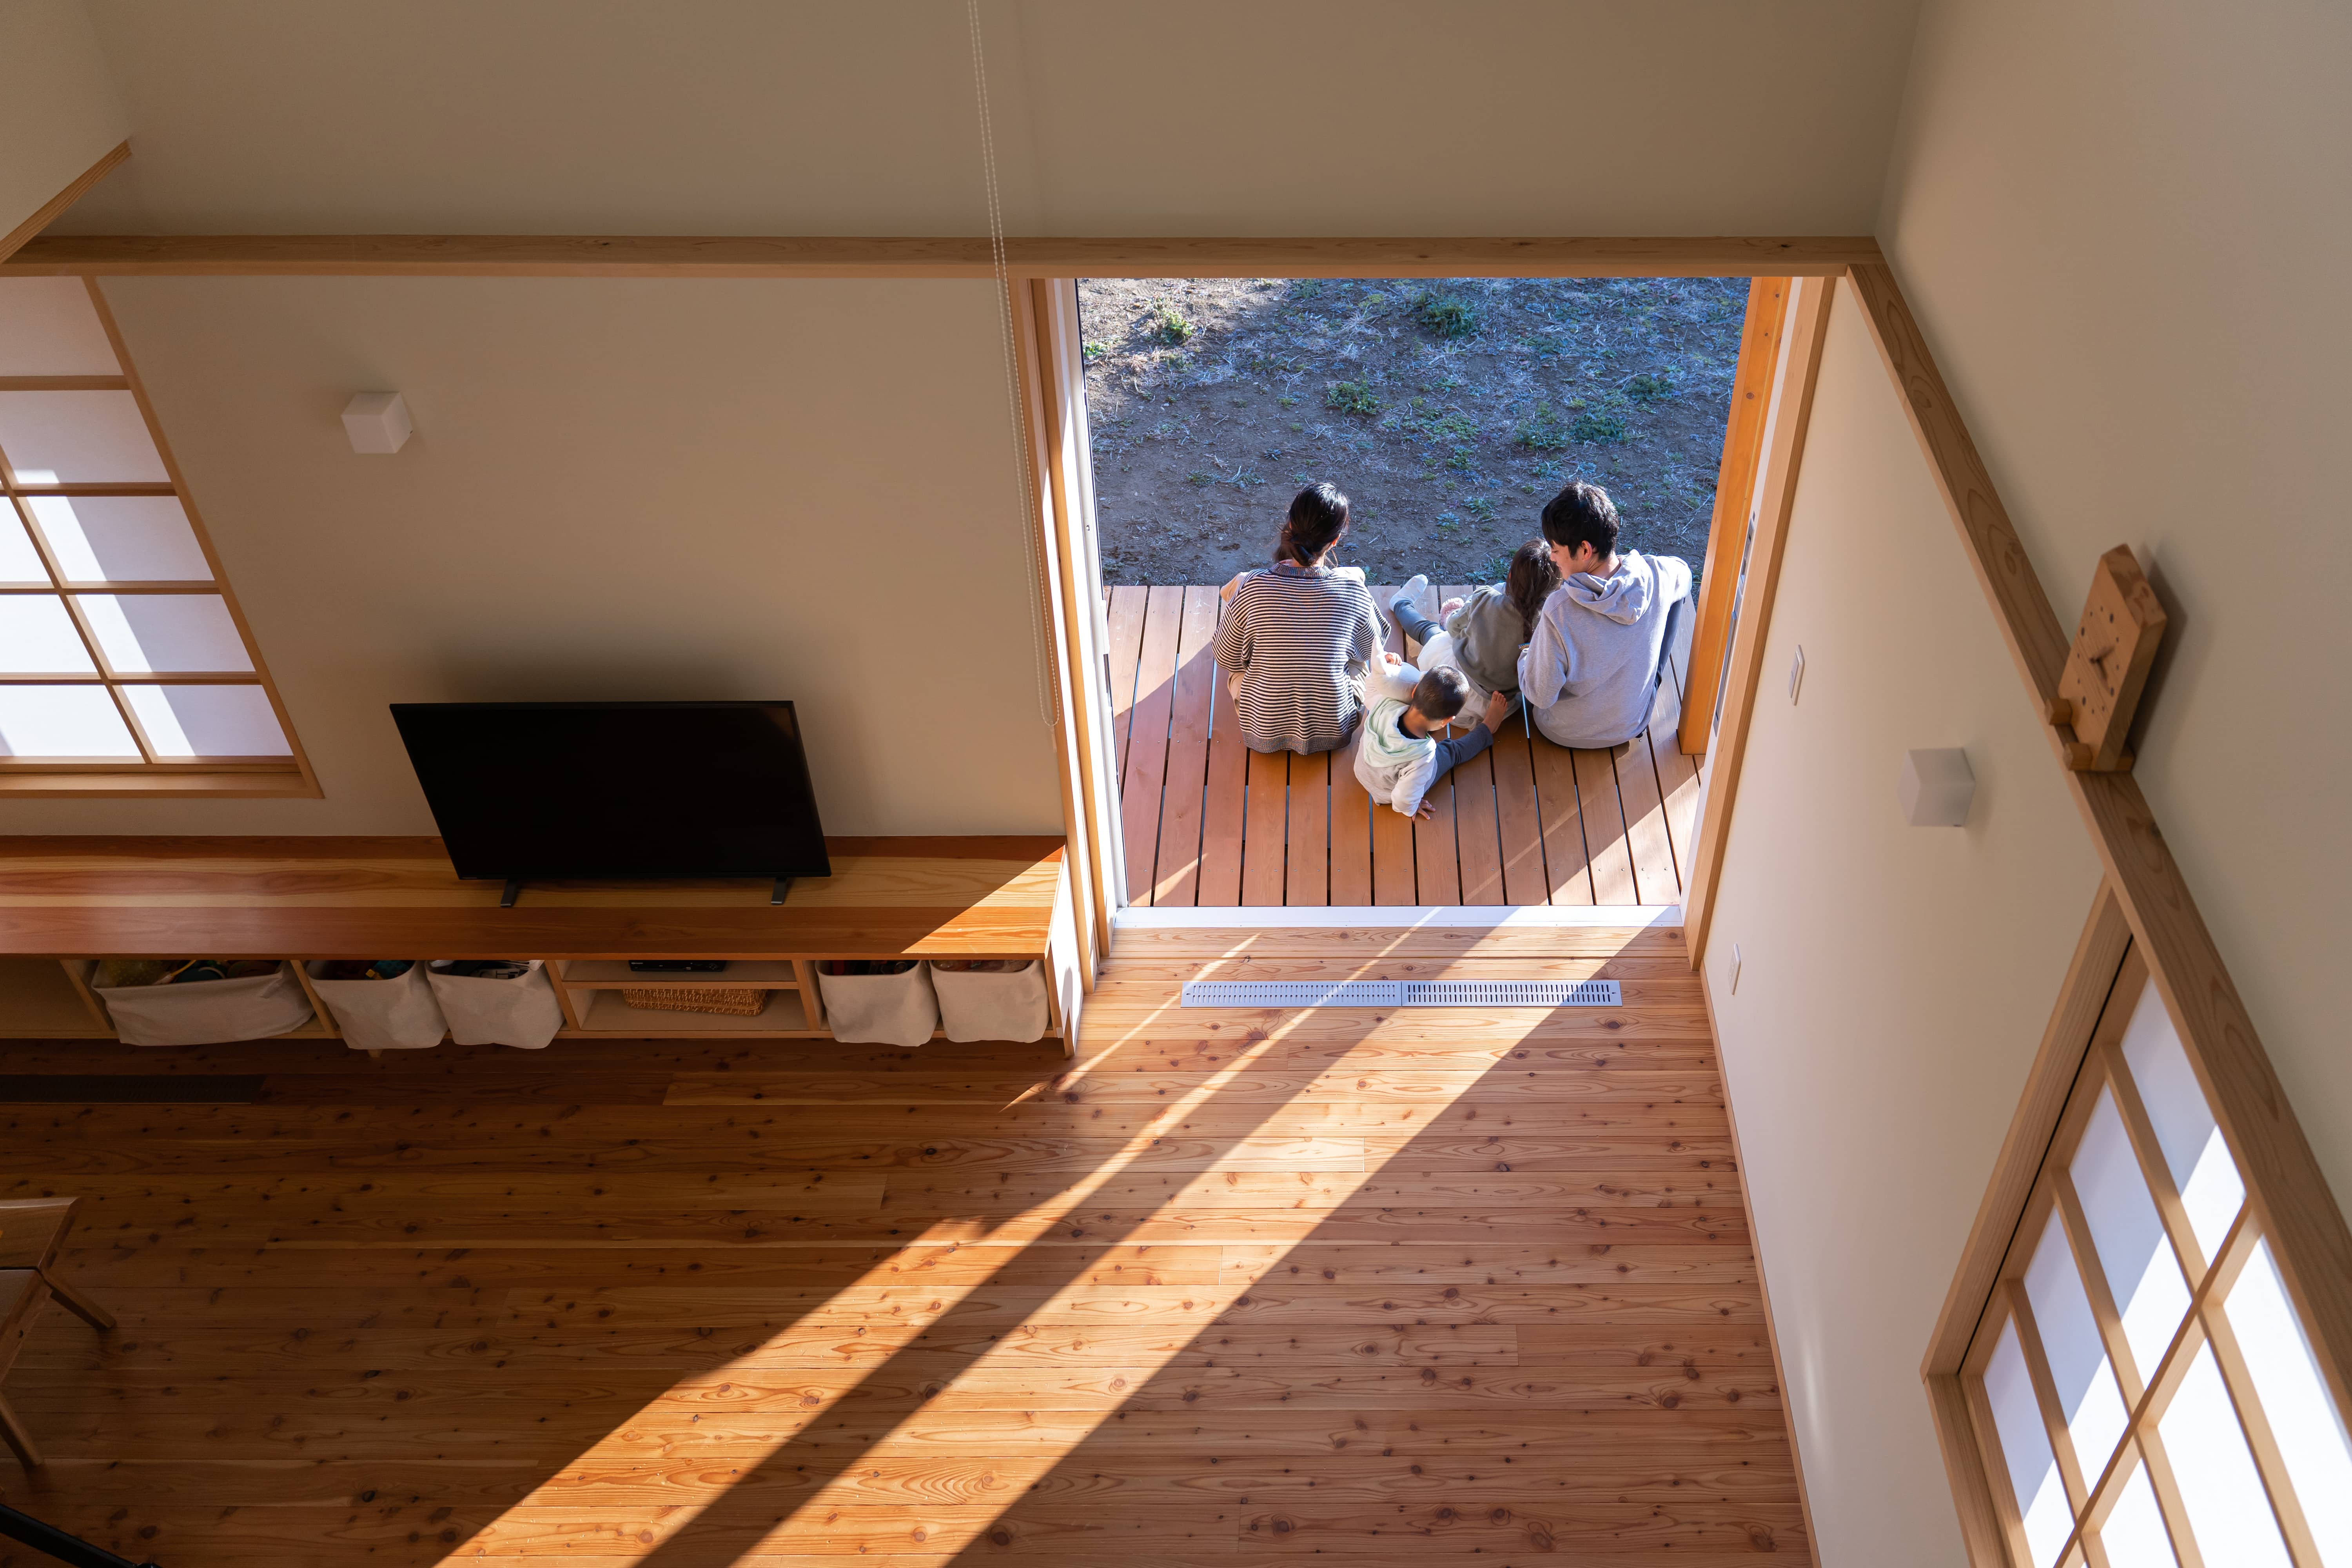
(1402, 993)
(1513, 993)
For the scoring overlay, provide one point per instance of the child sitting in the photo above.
(1397, 759)
(1481, 636)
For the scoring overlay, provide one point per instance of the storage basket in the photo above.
(395, 1015)
(880, 1009)
(520, 1012)
(735, 1002)
(992, 1004)
(206, 1012)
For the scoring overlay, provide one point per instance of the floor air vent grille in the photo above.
(1402, 993)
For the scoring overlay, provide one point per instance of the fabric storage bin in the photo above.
(395, 1015)
(992, 1004)
(880, 1009)
(520, 1012)
(207, 1012)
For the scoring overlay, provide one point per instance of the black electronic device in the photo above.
(528, 791)
(678, 965)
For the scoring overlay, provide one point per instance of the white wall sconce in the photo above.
(1938, 788)
(377, 422)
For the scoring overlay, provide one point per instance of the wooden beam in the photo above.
(1735, 492)
(1793, 413)
(957, 256)
(20, 236)
(2308, 1232)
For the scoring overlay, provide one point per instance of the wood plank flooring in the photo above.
(1208, 823)
(1237, 1287)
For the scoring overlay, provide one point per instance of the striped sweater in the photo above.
(1293, 639)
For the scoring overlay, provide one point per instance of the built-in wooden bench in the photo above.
(66, 902)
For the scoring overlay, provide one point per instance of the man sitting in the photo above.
(1397, 758)
(1590, 671)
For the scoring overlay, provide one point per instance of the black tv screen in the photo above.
(617, 789)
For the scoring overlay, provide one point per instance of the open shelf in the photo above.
(38, 1002)
(613, 974)
(607, 1014)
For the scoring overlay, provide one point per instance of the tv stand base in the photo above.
(784, 884)
(513, 892)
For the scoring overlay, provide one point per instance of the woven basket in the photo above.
(742, 1002)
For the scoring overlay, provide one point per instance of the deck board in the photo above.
(1223, 808)
(1307, 877)
(850, 1300)
(1527, 823)
(1146, 771)
(1176, 878)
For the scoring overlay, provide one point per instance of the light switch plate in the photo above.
(1796, 672)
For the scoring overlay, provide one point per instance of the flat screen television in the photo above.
(534, 789)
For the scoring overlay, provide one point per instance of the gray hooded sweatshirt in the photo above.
(1589, 671)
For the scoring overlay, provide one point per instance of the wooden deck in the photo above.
(1208, 822)
(1239, 1288)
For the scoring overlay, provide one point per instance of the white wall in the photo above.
(59, 112)
(2127, 233)
(618, 488)
(1270, 117)
(1894, 981)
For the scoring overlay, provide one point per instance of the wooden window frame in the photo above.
(149, 773)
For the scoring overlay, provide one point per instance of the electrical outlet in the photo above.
(1735, 969)
(1796, 672)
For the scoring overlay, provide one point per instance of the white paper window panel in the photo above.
(62, 721)
(124, 539)
(37, 637)
(2210, 1188)
(77, 438)
(19, 562)
(2025, 1448)
(2151, 1295)
(2087, 1395)
(2134, 1535)
(2303, 1416)
(49, 326)
(2229, 1512)
(165, 633)
(208, 721)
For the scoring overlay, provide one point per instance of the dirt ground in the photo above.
(1448, 410)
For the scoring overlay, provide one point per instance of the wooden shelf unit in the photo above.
(67, 902)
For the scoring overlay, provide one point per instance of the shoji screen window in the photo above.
(125, 666)
(2141, 1383)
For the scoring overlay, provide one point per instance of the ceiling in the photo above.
(1112, 116)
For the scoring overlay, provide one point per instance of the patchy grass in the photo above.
(1449, 411)
(1170, 326)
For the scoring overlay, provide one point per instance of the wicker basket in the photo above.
(738, 1002)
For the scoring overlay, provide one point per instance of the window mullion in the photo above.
(1995, 1465)
(2095, 1285)
(2153, 1167)
(2175, 1513)
(2045, 1394)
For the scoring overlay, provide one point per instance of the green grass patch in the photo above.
(1167, 323)
(1544, 431)
(1651, 386)
(1445, 315)
(1092, 350)
(1597, 427)
(1480, 508)
(1351, 397)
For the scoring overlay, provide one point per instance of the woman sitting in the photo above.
(1482, 635)
(1296, 635)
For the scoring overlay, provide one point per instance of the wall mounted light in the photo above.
(1938, 788)
(376, 421)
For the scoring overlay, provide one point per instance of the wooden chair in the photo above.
(35, 1229)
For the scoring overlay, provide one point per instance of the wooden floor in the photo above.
(1208, 822)
(1239, 1288)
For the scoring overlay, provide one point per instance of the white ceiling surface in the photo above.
(1265, 117)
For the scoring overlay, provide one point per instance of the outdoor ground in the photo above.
(1448, 410)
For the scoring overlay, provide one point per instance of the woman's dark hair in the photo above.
(1533, 575)
(1319, 516)
(1581, 514)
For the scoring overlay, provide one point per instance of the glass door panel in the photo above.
(2229, 1511)
(2025, 1448)
(2202, 1171)
(2142, 1274)
(2134, 1535)
(2303, 1417)
(2088, 1399)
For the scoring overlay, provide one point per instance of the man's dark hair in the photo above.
(1581, 514)
(1440, 694)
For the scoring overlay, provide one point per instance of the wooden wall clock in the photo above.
(2114, 644)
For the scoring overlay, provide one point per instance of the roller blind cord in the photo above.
(1048, 699)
